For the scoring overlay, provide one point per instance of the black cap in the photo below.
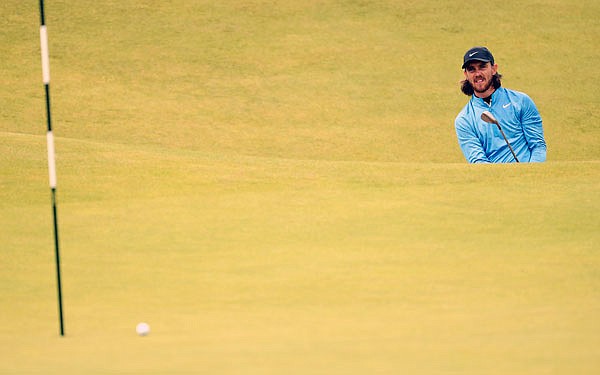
(478, 54)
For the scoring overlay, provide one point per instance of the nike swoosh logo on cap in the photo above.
(473, 54)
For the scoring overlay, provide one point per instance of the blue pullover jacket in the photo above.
(520, 120)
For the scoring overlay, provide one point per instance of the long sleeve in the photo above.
(533, 130)
(469, 142)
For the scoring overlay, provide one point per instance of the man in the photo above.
(516, 113)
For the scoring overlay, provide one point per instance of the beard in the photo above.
(485, 88)
(467, 88)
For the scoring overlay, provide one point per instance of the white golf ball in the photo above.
(142, 329)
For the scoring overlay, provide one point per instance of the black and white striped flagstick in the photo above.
(51, 159)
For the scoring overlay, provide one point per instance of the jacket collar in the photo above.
(482, 103)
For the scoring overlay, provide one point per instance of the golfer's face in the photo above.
(479, 74)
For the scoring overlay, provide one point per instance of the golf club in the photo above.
(490, 119)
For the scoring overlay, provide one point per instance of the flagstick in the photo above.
(51, 158)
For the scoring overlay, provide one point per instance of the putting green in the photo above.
(277, 188)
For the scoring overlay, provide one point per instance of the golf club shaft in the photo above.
(507, 142)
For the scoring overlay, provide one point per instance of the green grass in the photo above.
(276, 187)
